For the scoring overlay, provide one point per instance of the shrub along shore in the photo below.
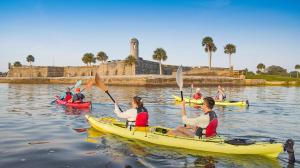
(162, 80)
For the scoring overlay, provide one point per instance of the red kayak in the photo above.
(77, 105)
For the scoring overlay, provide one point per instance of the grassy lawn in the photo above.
(272, 78)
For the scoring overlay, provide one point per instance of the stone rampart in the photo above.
(130, 80)
(205, 71)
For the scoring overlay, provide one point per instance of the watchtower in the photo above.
(134, 48)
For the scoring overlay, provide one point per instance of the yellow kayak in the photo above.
(220, 103)
(157, 135)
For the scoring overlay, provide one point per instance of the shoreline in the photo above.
(151, 80)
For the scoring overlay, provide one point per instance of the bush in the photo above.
(276, 70)
(17, 64)
(250, 73)
(293, 74)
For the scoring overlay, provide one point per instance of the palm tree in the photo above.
(30, 59)
(160, 55)
(229, 49)
(130, 60)
(210, 47)
(102, 57)
(94, 60)
(88, 59)
(17, 64)
(261, 67)
(84, 60)
(297, 67)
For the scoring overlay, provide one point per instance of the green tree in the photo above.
(17, 64)
(88, 59)
(297, 67)
(102, 57)
(229, 49)
(30, 59)
(276, 70)
(209, 47)
(260, 67)
(94, 60)
(160, 55)
(130, 60)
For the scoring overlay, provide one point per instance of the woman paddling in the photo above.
(67, 95)
(197, 95)
(221, 96)
(136, 116)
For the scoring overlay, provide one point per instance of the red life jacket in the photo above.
(141, 117)
(197, 96)
(68, 96)
(211, 129)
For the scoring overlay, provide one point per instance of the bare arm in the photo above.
(183, 111)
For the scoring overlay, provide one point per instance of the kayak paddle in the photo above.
(88, 86)
(78, 83)
(179, 80)
(104, 88)
(192, 86)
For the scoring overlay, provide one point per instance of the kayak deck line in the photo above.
(156, 135)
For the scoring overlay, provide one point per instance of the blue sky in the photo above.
(59, 32)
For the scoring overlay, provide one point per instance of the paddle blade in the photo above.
(78, 83)
(100, 84)
(179, 78)
(89, 84)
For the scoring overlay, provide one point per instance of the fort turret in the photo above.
(134, 48)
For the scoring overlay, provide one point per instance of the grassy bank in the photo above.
(273, 78)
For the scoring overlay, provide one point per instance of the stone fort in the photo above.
(113, 67)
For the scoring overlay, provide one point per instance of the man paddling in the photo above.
(77, 97)
(203, 125)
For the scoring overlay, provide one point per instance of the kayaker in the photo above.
(67, 95)
(221, 96)
(203, 125)
(137, 115)
(197, 95)
(78, 96)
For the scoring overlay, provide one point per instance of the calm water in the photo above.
(35, 133)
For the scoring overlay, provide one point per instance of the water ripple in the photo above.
(35, 133)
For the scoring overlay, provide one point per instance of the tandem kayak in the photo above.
(157, 135)
(76, 105)
(220, 103)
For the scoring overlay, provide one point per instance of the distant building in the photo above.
(114, 67)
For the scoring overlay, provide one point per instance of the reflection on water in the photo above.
(38, 134)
